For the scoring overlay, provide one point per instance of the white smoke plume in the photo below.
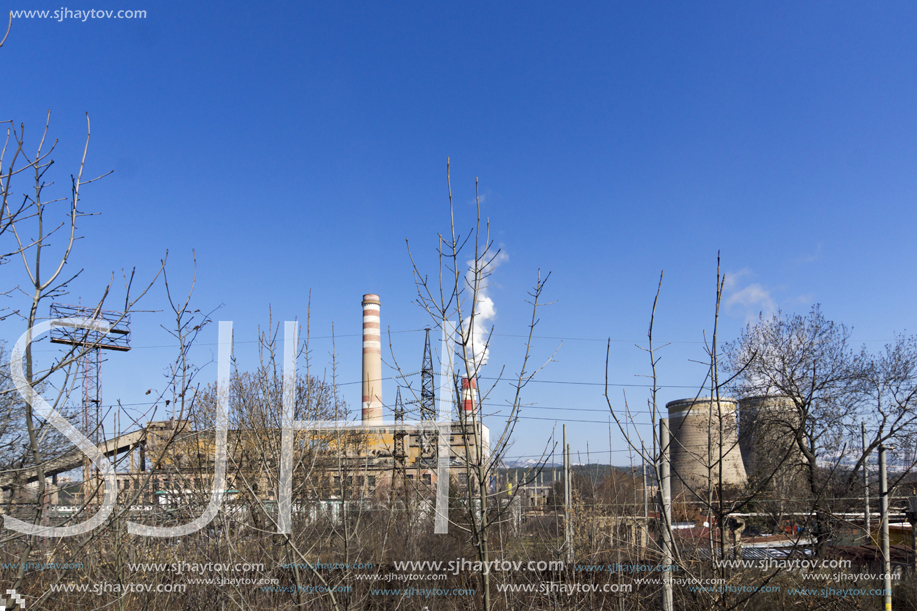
(476, 327)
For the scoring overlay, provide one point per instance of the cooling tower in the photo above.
(767, 427)
(695, 428)
(372, 361)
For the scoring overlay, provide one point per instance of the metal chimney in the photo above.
(372, 361)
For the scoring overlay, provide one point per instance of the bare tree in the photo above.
(456, 297)
(808, 361)
(710, 495)
(32, 231)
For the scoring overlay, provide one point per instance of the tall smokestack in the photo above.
(372, 361)
(469, 395)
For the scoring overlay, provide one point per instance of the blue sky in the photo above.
(296, 148)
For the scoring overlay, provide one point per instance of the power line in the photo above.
(534, 337)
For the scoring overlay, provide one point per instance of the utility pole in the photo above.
(866, 483)
(883, 500)
(645, 527)
(646, 492)
(568, 504)
(611, 468)
(911, 514)
(666, 493)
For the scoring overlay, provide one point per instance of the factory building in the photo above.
(369, 458)
(418, 457)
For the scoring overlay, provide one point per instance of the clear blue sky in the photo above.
(295, 147)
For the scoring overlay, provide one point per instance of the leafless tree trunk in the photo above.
(455, 297)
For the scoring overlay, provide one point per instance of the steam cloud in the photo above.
(475, 326)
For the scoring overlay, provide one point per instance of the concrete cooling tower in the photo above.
(695, 445)
(767, 438)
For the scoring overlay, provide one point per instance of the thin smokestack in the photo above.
(372, 361)
(469, 395)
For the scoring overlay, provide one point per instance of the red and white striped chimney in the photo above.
(372, 361)
(469, 395)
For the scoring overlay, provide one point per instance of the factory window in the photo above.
(371, 482)
(426, 478)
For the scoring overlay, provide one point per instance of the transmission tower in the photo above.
(427, 383)
(427, 400)
(91, 342)
(400, 455)
(90, 365)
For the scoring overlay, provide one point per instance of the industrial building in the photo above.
(171, 460)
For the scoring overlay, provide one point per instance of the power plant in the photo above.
(382, 455)
(412, 451)
(756, 436)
